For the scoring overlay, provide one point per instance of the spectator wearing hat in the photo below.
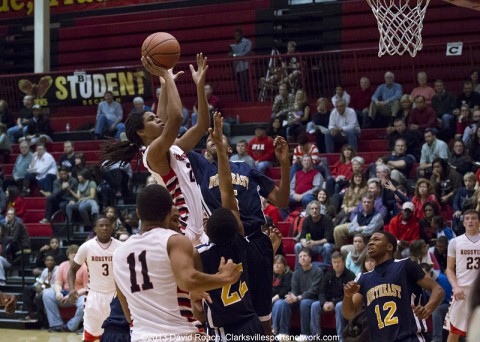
(261, 149)
(39, 129)
(405, 226)
(25, 114)
(343, 127)
(433, 148)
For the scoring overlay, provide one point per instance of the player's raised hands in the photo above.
(154, 69)
(9, 301)
(281, 150)
(216, 133)
(201, 72)
(350, 288)
(175, 76)
(276, 237)
(229, 270)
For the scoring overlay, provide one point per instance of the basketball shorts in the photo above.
(115, 334)
(260, 273)
(456, 320)
(249, 330)
(418, 337)
(97, 310)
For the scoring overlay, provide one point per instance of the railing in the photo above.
(321, 72)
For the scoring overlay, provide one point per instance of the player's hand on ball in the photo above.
(350, 288)
(199, 74)
(154, 69)
(229, 270)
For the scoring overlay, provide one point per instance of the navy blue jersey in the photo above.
(247, 182)
(116, 317)
(231, 304)
(388, 292)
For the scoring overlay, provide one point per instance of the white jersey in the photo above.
(98, 258)
(184, 190)
(143, 273)
(467, 259)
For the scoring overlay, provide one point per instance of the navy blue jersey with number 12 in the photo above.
(388, 293)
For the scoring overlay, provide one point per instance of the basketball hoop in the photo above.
(400, 24)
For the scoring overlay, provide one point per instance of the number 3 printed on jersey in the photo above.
(147, 284)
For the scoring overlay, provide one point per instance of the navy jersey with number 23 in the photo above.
(388, 292)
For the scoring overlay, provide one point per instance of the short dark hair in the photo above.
(154, 203)
(442, 239)
(338, 255)
(392, 240)
(306, 250)
(430, 130)
(222, 226)
(62, 168)
(426, 267)
(470, 212)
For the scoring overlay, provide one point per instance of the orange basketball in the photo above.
(162, 48)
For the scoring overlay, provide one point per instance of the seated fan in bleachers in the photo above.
(319, 123)
(423, 88)
(261, 149)
(385, 101)
(400, 130)
(24, 115)
(67, 159)
(242, 155)
(305, 183)
(5, 145)
(15, 201)
(50, 249)
(41, 171)
(39, 129)
(117, 177)
(139, 105)
(360, 101)
(422, 116)
(20, 168)
(343, 127)
(109, 118)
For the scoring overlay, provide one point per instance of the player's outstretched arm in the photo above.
(124, 304)
(352, 300)
(280, 195)
(436, 298)
(9, 302)
(162, 104)
(191, 138)
(180, 252)
(224, 171)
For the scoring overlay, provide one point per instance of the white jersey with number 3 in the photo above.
(467, 259)
(144, 275)
(98, 258)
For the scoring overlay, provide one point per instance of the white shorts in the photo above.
(97, 310)
(456, 320)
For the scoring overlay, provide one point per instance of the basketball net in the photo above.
(400, 24)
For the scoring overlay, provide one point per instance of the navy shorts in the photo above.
(251, 328)
(115, 334)
(260, 273)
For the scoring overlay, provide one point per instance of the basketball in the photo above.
(162, 48)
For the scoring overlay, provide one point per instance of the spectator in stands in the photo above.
(117, 176)
(474, 146)
(14, 238)
(463, 120)
(298, 118)
(61, 194)
(242, 155)
(139, 105)
(356, 258)
(57, 296)
(158, 91)
(424, 193)
(283, 103)
(213, 104)
(109, 118)
(261, 149)
(240, 49)
(21, 165)
(444, 103)
(67, 159)
(468, 97)
(39, 129)
(423, 88)
(433, 148)
(353, 195)
(470, 130)
(80, 163)
(419, 253)
(122, 235)
(316, 235)
(360, 101)
(440, 252)
(271, 211)
(52, 249)
(41, 171)
(438, 315)
(406, 106)
(462, 201)
(305, 286)
(422, 116)
(340, 94)
(292, 66)
(446, 182)
(84, 200)
(385, 101)
(111, 214)
(459, 159)
(441, 229)
(32, 295)
(326, 206)
(366, 222)
(15, 201)
(6, 116)
(405, 226)
(410, 136)
(319, 123)
(5, 145)
(341, 171)
(330, 295)
(305, 147)
(399, 162)
(342, 128)
(275, 129)
(474, 79)
(282, 284)
(25, 114)
(305, 182)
